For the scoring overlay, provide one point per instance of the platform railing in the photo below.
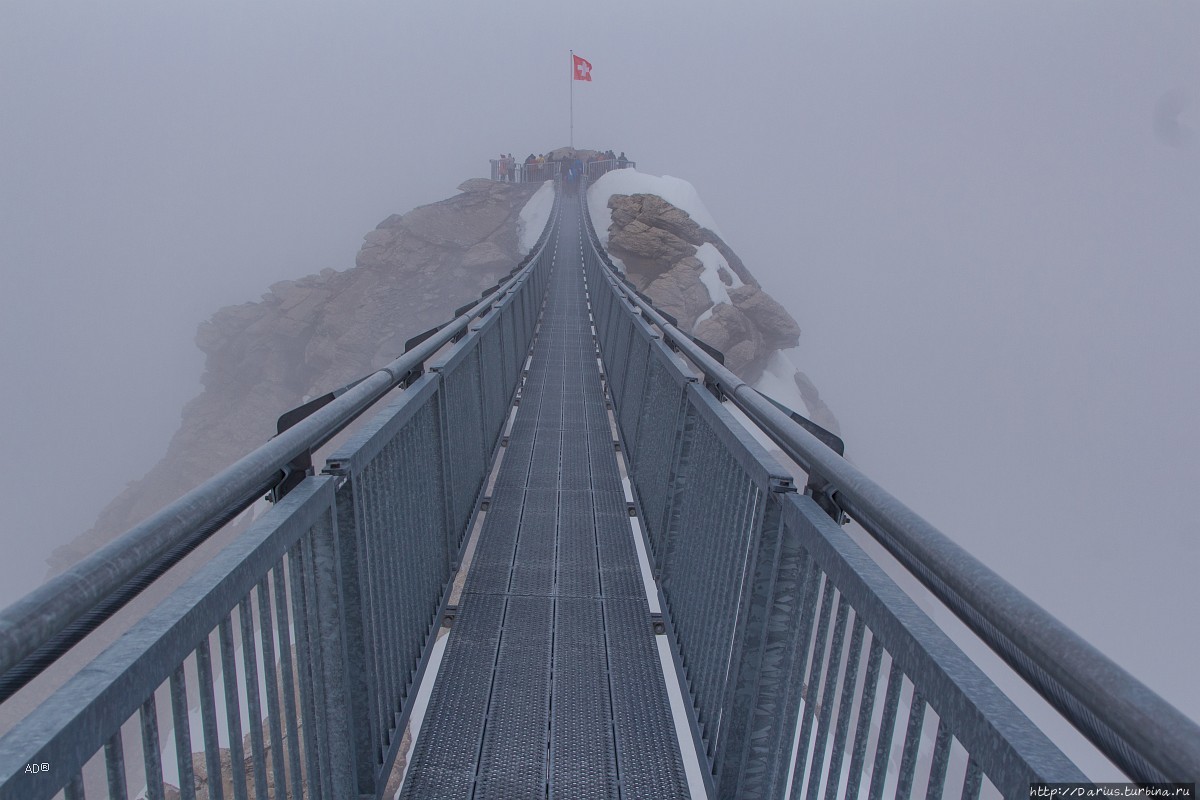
(288, 663)
(761, 588)
(521, 172)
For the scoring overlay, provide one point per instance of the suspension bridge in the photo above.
(555, 554)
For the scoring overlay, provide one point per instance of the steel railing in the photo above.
(1146, 737)
(521, 172)
(330, 600)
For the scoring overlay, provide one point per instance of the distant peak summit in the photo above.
(665, 239)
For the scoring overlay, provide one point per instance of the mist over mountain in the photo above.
(311, 335)
(983, 217)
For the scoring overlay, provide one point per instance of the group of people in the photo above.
(571, 165)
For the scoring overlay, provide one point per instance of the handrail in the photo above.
(42, 626)
(522, 172)
(1143, 734)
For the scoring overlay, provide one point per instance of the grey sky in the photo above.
(987, 220)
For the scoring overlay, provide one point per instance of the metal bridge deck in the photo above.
(551, 684)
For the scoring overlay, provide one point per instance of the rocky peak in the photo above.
(307, 336)
(659, 243)
(689, 271)
(647, 216)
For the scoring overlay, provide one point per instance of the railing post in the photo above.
(339, 732)
(766, 700)
(681, 463)
(353, 614)
(450, 539)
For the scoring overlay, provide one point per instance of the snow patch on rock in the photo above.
(713, 263)
(534, 216)
(778, 382)
(676, 191)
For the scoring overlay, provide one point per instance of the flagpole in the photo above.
(571, 74)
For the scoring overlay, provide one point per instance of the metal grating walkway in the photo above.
(551, 685)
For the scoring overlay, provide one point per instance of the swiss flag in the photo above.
(581, 68)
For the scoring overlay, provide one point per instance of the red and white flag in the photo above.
(581, 68)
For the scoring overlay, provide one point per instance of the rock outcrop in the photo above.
(308, 336)
(659, 243)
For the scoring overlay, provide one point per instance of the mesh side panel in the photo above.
(495, 389)
(652, 463)
(617, 359)
(629, 406)
(704, 570)
(515, 344)
(464, 426)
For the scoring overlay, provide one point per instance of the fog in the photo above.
(987, 221)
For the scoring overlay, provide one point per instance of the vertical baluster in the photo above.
(432, 569)
(151, 755)
(750, 551)
(183, 734)
(250, 665)
(362, 655)
(941, 759)
(699, 594)
(288, 683)
(340, 770)
(74, 788)
(208, 718)
(392, 624)
(307, 650)
(812, 685)
(972, 781)
(780, 756)
(501, 367)
(233, 712)
(114, 766)
(411, 569)
(912, 741)
(866, 709)
(386, 620)
(883, 747)
(435, 565)
(835, 666)
(845, 707)
(378, 543)
(365, 532)
(409, 565)
(267, 637)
